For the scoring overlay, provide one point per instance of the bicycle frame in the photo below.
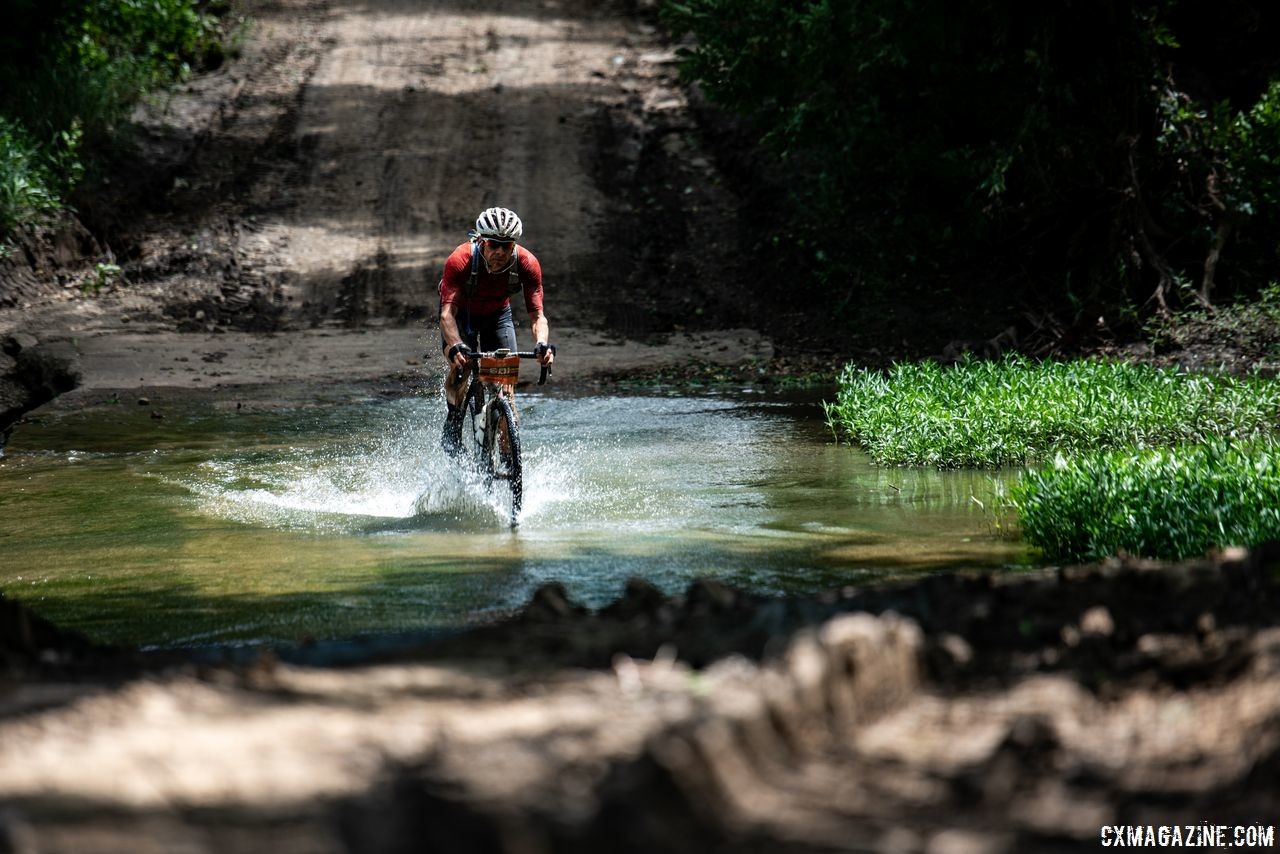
(491, 413)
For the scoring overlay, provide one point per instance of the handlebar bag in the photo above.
(504, 371)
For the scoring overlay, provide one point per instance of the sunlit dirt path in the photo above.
(418, 115)
(319, 183)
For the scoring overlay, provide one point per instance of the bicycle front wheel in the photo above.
(472, 439)
(502, 465)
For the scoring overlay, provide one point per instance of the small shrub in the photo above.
(1170, 503)
(1018, 411)
(26, 190)
(103, 276)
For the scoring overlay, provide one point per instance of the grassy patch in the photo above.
(1018, 411)
(1160, 503)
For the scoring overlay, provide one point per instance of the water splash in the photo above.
(396, 471)
(607, 469)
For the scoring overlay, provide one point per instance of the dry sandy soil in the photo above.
(282, 230)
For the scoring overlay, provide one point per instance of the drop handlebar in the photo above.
(474, 355)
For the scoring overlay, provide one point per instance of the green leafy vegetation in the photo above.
(1226, 174)
(103, 276)
(1149, 461)
(26, 187)
(70, 72)
(1101, 155)
(1018, 411)
(1169, 503)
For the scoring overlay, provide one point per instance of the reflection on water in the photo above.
(218, 527)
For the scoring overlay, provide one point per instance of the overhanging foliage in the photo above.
(70, 71)
(1090, 151)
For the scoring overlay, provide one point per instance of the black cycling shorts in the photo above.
(486, 332)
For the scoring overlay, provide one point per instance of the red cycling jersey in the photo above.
(492, 293)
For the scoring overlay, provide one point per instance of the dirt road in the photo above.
(313, 188)
(413, 118)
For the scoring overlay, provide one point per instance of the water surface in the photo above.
(215, 525)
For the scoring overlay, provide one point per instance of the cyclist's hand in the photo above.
(546, 354)
(459, 354)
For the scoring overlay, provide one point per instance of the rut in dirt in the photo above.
(410, 118)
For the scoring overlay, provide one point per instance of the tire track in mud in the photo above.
(344, 155)
(416, 117)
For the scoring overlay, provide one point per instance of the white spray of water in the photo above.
(399, 472)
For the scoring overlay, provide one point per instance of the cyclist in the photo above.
(480, 277)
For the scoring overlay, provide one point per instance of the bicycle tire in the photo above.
(472, 440)
(505, 469)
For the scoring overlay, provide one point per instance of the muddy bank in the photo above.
(957, 713)
(30, 376)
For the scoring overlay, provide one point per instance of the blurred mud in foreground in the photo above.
(957, 713)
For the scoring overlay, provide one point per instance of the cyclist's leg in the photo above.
(497, 330)
(454, 386)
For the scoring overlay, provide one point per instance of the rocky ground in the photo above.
(279, 228)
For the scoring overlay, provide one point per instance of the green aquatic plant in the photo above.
(1168, 503)
(1019, 411)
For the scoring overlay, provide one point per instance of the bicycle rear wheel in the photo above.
(504, 468)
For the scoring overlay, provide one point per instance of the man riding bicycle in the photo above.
(480, 277)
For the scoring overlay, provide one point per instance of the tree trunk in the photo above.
(1220, 235)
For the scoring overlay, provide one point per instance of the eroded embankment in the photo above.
(955, 713)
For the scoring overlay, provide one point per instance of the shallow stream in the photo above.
(215, 525)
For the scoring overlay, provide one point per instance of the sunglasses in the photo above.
(498, 244)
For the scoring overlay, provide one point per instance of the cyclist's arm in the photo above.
(531, 282)
(452, 283)
(449, 331)
(541, 334)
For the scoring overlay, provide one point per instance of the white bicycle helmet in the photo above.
(500, 224)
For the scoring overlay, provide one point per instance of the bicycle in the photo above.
(488, 415)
